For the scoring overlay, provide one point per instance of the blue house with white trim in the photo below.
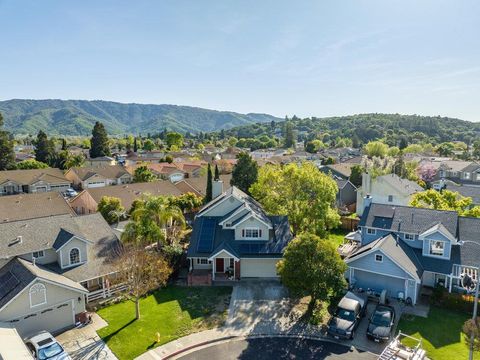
(404, 248)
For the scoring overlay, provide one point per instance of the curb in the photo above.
(208, 342)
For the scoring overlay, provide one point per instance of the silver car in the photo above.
(43, 346)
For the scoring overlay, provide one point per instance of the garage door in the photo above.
(96, 184)
(258, 268)
(41, 189)
(379, 282)
(52, 319)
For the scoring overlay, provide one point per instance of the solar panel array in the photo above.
(8, 282)
(250, 248)
(207, 235)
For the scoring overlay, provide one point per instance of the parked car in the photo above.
(346, 319)
(381, 322)
(43, 346)
(70, 192)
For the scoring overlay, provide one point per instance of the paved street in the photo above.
(277, 348)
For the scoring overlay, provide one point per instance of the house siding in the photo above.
(368, 238)
(387, 266)
(436, 237)
(226, 206)
(251, 223)
(50, 257)
(65, 251)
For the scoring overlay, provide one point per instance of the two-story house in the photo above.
(93, 177)
(404, 248)
(387, 189)
(32, 181)
(51, 267)
(464, 172)
(233, 238)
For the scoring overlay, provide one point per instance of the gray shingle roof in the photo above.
(408, 219)
(465, 190)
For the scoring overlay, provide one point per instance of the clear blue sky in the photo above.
(309, 58)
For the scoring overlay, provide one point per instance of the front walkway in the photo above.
(84, 343)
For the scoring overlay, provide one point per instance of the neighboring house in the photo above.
(192, 169)
(386, 189)
(404, 248)
(101, 161)
(463, 172)
(51, 267)
(87, 201)
(467, 190)
(29, 206)
(198, 185)
(32, 181)
(164, 170)
(93, 177)
(233, 238)
(347, 193)
(340, 171)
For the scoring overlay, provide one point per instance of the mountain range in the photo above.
(77, 117)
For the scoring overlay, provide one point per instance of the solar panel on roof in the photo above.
(8, 281)
(206, 237)
(250, 248)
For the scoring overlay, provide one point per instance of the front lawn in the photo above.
(172, 311)
(441, 333)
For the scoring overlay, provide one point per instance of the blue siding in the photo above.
(367, 238)
(367, 280)
(417, 244)
(437, 237)
(387, 267)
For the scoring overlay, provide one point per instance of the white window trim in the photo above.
(199, 261)
(38, 252)
(252, 229)
(430, 248)
(388, 198)
(409, 234)
(79, 256)
(381, 258)
(371, 231)
(44, 288)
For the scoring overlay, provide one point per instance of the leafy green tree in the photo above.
(393, 151)
(244, 173)
(445, 200)
(64, 144)
(209, 190)
(356, 175)
(413, 149)
(31, 164)
(289, 140)
(310, 147)
(174, 139)
(445, 149)
(217, 173)
(169, 159)
(187, 202)
(476, 149)
(148, 145)
(232, 141)
(44, 149)
(135, 145)
(376, 148)
(77, 160)
(312, 267)
(99, 145)
(302, 192)
(403, 143)
(111, 209)
(143, 174)
(7, 154)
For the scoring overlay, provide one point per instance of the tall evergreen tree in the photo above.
(289, 135)
(7, 154)
(135, 145)
(208, 192)
(99, 142)
(64, 144)
(217, 173)
(44, 148)
(245, 172)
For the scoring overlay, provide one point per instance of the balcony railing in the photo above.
(105, 292)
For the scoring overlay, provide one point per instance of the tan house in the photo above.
(87, 201)
(51, 267)
(94, 177)
(32, 181)
(101, 161)
(198, 185)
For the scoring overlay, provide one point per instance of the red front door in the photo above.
(219, 265)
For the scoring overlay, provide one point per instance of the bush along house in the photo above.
(233, 238)
(403, 249)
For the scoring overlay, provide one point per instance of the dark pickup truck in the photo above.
(346, 319)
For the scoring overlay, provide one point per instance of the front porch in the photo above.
(102, 287)
(220, 268)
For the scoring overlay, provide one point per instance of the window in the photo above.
(38, 295)
(390, 198)
(437, 247)
(38, 254)
(74, 256)
(409, 237)
(252, 233)
(202, 261)
(232, 262)
(371, 231)
(378, 258)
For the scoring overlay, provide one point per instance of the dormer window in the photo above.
(74, 256)
(371, 231)
(252, 233)
(38, 254)
(437, 247)
(409, 237)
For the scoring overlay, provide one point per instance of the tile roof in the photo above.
(30, 176)
(29, 206)
(200, 182)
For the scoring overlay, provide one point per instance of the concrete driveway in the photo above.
(84, 343)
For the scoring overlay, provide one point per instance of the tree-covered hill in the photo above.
(366, 127)
(77, 117)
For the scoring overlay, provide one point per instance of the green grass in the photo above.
(441, 333)
(173, 312)
(337, 236)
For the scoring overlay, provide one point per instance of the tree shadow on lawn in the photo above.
(109, 336)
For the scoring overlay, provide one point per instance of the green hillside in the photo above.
(76, 117)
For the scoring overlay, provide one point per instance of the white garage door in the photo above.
(96, 184)
(52, 319)
(258, 268)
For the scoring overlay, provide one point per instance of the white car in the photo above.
(43, 346)
(71, 192)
